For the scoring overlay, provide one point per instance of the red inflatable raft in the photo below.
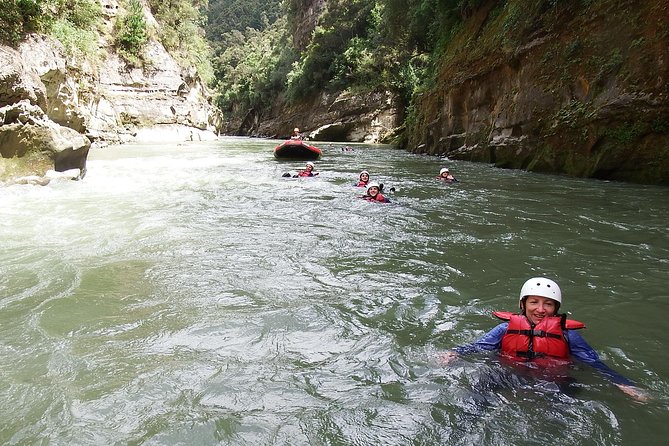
(296, 149)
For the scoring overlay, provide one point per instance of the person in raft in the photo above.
(296, 134)
(539, 335)
(445, 176)
(363, 179)
(307, 172)
(374, 193)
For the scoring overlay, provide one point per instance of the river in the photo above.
(188, 294)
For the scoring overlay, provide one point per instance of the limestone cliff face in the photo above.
(306, 20)
(109, 100)
(583, 90)
(53, 105)
(342, 117)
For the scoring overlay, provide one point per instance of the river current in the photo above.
(188, 294)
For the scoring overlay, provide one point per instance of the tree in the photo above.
(132, 35)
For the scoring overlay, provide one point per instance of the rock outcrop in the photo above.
(68, 102)
(343, 117)
(340, 117)
(28, 134)
(584, 91)
(111, 102)
(305, 21)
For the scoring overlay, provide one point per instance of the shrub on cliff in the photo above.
(18, 17)
(131, 32)
(181, 33)
(75, 23)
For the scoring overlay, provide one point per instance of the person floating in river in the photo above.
(296, 134)
(446, 176)
(540, 338)
(363, 179)
(307, 172)
(374, 193)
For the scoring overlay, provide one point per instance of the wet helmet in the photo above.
(309, 163)
(373, 184)
(444, 170)
(540, 286)
(364, 172)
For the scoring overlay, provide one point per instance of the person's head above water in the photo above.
(310, 165)
(539, 298)
(444, 171)
(373, 189)
(364, 175)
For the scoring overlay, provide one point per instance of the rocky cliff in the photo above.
(106, 99)
(573, 87)
(343, 116)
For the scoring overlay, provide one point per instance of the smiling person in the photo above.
(307, 172)
(538, 335)
(374, 193)
(363, 179)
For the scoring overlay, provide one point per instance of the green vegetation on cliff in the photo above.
(181, 31)
(357, 45)
(73, 22)
(225, 16)
(131, 33)
(76, 23)
(251, 67)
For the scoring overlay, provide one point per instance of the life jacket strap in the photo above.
(538, 333)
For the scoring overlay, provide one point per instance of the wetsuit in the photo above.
(579, 349)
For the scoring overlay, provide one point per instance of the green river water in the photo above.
(189, 295)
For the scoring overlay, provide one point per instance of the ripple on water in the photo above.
(191, 295)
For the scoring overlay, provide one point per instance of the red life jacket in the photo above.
(361, 183)
(526, 342)
(305, 173)
(379, 197)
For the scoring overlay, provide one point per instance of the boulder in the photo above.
(27, 133)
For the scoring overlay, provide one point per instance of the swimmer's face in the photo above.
(538, 307)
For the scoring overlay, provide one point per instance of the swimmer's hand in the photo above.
(636, 393)
(447, 357)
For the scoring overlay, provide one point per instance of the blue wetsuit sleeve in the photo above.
(582, 351)
(489, 342)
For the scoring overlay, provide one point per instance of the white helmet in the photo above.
(363, 172)
(373, 184)
(444, 170)
(540, 286)
(309, 163)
